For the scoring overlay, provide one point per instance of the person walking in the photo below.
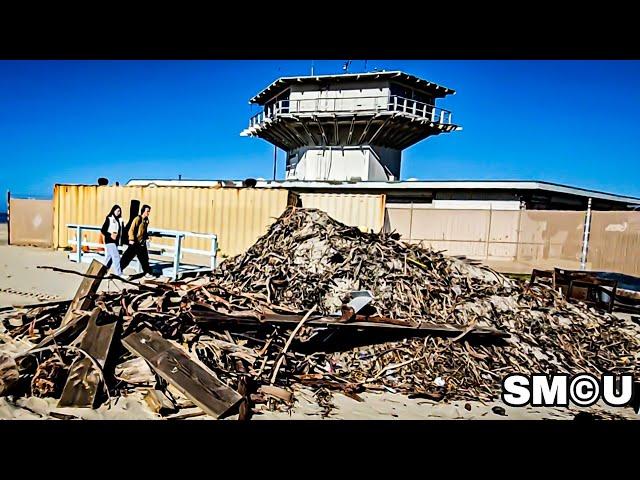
(112, 231)
(138, 237)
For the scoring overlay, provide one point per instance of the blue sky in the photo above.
(571, 122)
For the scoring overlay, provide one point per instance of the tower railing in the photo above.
(373, 104)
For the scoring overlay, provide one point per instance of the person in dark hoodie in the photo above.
(112, 231)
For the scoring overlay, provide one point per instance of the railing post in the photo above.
(79, 242)
(214, 252)
(433, 114)
(177, 253)
(395, 103)
(441, 116)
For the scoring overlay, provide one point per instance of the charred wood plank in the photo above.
(65, 333)
(175, 366)
(361, 322)
(84, 377)
(83, 299)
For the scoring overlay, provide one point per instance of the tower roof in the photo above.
(411, 80)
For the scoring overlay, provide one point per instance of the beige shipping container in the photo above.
(30, 222)
(238, 216)
(357, 210)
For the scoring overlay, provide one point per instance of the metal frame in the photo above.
(177, 249)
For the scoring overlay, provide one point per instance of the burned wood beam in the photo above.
(60, 303)
(65, 333)
(83, 299)
(85, 377)
(110, 276)
(361, 322)
(174, 365)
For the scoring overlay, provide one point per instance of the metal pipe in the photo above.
(214, 252)
(585, 237)
(176, 259)
(79, 242)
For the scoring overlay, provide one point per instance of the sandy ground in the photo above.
(376, 406)
(18, 271)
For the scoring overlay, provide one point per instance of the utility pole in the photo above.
(275, 161)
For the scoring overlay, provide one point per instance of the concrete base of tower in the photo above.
(344, 163)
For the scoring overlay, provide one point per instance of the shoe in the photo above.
(149, 276)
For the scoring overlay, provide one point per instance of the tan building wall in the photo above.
(363, 211)
(614, 242)
(517, 241)
(30, 222)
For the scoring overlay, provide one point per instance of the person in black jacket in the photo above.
(112, 231)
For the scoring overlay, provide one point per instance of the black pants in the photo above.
(136, 250)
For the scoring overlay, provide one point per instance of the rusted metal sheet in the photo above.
(238, 216)
(357, 210)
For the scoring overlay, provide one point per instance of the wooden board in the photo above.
(175, 366)
(42, 304)
(84, 377)
(88, 286)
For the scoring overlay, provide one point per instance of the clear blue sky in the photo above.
(572, 122)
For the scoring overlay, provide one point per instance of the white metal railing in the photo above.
(175, 252)
(392, 103)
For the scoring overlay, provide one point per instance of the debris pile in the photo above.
(308, 259)
(283, 315)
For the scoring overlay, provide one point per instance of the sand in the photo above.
(18, 271)
(376, 406)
